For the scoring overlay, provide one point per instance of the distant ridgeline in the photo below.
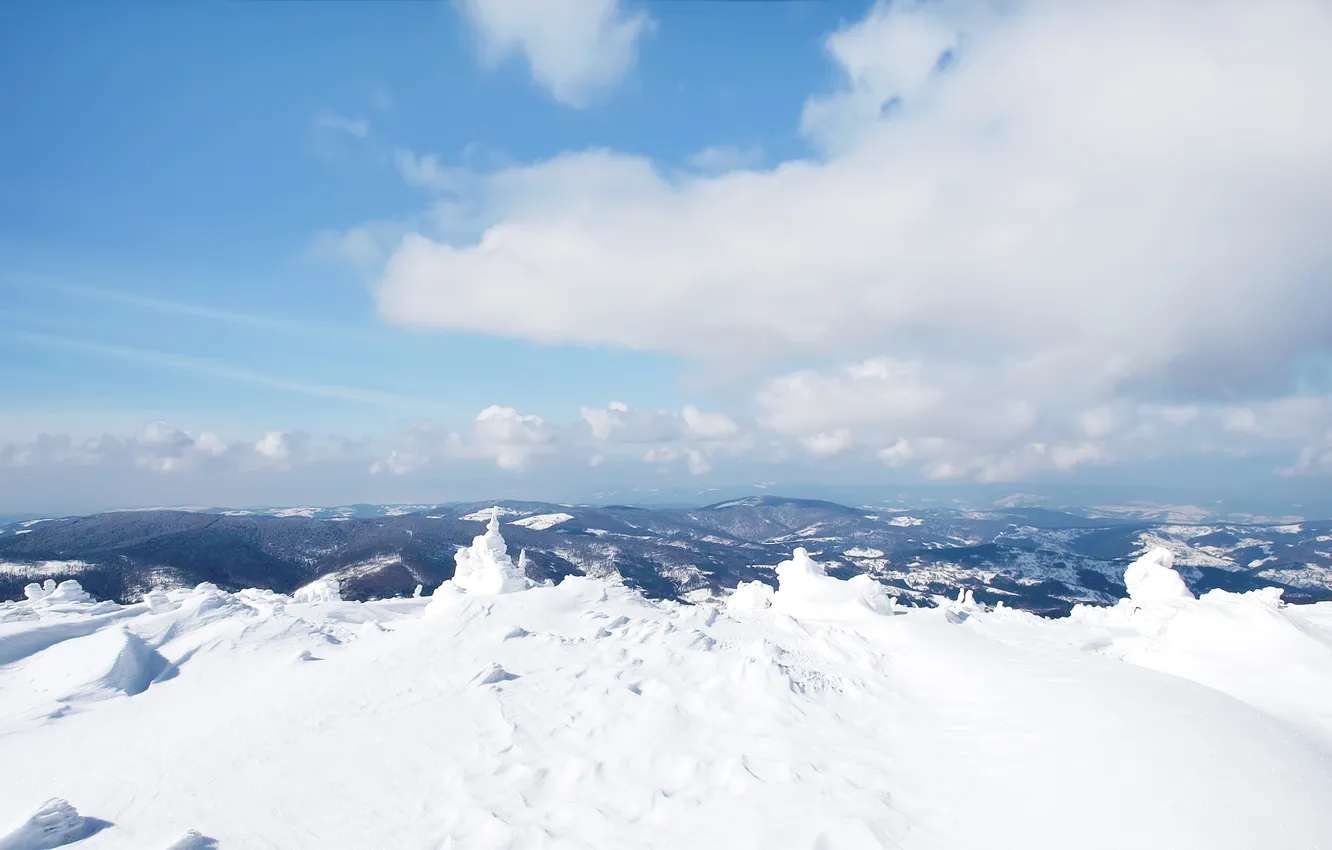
(1035, 559)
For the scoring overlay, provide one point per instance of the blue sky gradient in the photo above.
(184, 187)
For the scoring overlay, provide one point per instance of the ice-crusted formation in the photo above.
(320, 590)
(485, 567)
(1152, 580)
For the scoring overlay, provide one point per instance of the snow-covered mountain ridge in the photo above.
(1032, 558)
(499, 713)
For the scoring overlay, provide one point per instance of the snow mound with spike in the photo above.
(485, 567)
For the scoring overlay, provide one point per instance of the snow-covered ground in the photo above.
(818, 715)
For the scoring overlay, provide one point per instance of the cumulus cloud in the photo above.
(510, 437)
(501, 435)
(161, 447)
(695, 460)
(1035, 232)
(827, 442)
(709, 426)
(618, 423)
(574, 48)
(720, 158)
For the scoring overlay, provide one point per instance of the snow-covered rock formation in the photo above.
(485, 567)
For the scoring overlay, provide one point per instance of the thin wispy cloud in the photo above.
(329, 120)
(221, 371)
(197, 311)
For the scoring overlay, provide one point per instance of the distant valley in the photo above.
(1036, 559)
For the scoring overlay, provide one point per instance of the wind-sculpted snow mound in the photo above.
(805, 590)
(583, 715)
(320, 590)
(485, 567)
(1151, 580)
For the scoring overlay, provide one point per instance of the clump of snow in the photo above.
(750, 596)
(50, 593)
(320, 590)
(485, 567)
(804, 589)
(962, 607)
(1151, 580)
(194, 840)
(55, 824)
(159, 602)
(493, 675)
(541, 522)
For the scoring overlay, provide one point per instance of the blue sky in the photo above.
(250, 249)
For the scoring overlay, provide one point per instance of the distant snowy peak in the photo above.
(487, 514)
(541, 522)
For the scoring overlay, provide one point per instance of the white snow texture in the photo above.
(816, 715)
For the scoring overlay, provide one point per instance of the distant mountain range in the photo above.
(1033, 558)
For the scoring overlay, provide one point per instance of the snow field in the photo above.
(581, 715)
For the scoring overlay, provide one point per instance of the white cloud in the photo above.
(898, 454)
(709, 426)
(426, 172)
(162, 448)
(696, 460)
(889, 58)
(618, 423)
(827, 443)
(1121, 191)
(720, 158)
(330, 120)
(574, 48)
(511, 438)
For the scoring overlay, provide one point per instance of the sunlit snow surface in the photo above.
(581, 715)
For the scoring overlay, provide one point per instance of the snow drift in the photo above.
(815, 715)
